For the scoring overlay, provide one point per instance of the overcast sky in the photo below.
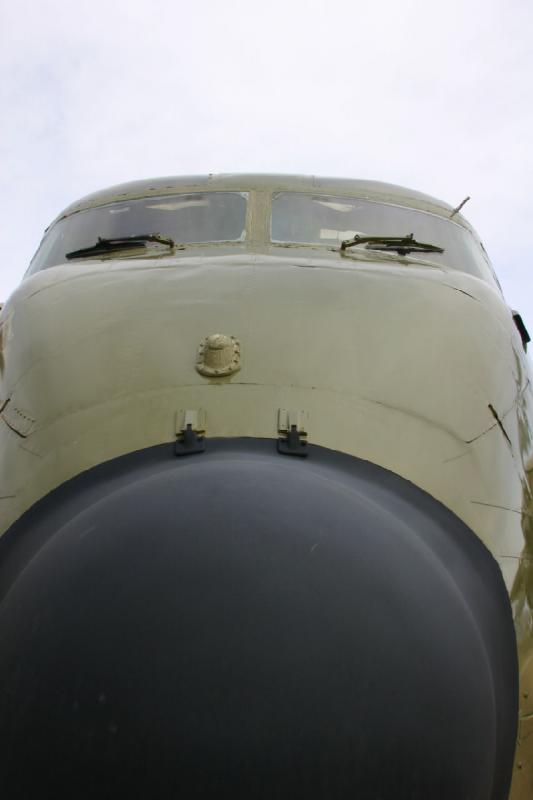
(436, 96)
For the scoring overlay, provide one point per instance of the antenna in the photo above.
(459, 207)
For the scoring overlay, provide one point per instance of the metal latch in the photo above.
(292, 425)
(190, 430)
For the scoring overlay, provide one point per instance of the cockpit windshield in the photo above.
(299, 218)
(162, 225)
(208, 217)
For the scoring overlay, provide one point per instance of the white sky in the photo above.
(436, 96)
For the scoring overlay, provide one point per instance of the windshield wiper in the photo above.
(104, 246)
(401, 244)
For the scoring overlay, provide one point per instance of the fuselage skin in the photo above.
(394, 360)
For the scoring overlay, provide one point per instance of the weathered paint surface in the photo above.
(417, 368)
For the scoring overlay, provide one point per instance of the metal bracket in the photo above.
(522, 330)
(293, 429)
(190, 430)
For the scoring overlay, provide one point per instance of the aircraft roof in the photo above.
(370, 190)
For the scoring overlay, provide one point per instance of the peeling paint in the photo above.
(500, 424)
(455, 458)
(31, 452)
(502, 508)
(462, 291)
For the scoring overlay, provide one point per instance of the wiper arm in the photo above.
(104, 246)
(402, 244)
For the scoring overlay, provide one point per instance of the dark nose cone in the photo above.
(246, 625)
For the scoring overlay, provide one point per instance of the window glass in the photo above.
(323, 219)
(188, 218)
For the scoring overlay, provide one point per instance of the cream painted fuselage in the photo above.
(396, 360)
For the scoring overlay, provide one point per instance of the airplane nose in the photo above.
(250, 625)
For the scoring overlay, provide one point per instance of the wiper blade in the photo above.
(401, 244)
(104, 246)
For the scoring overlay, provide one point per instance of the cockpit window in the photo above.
(209, 217)
(327, 220)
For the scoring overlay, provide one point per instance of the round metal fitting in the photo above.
(219, 355)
